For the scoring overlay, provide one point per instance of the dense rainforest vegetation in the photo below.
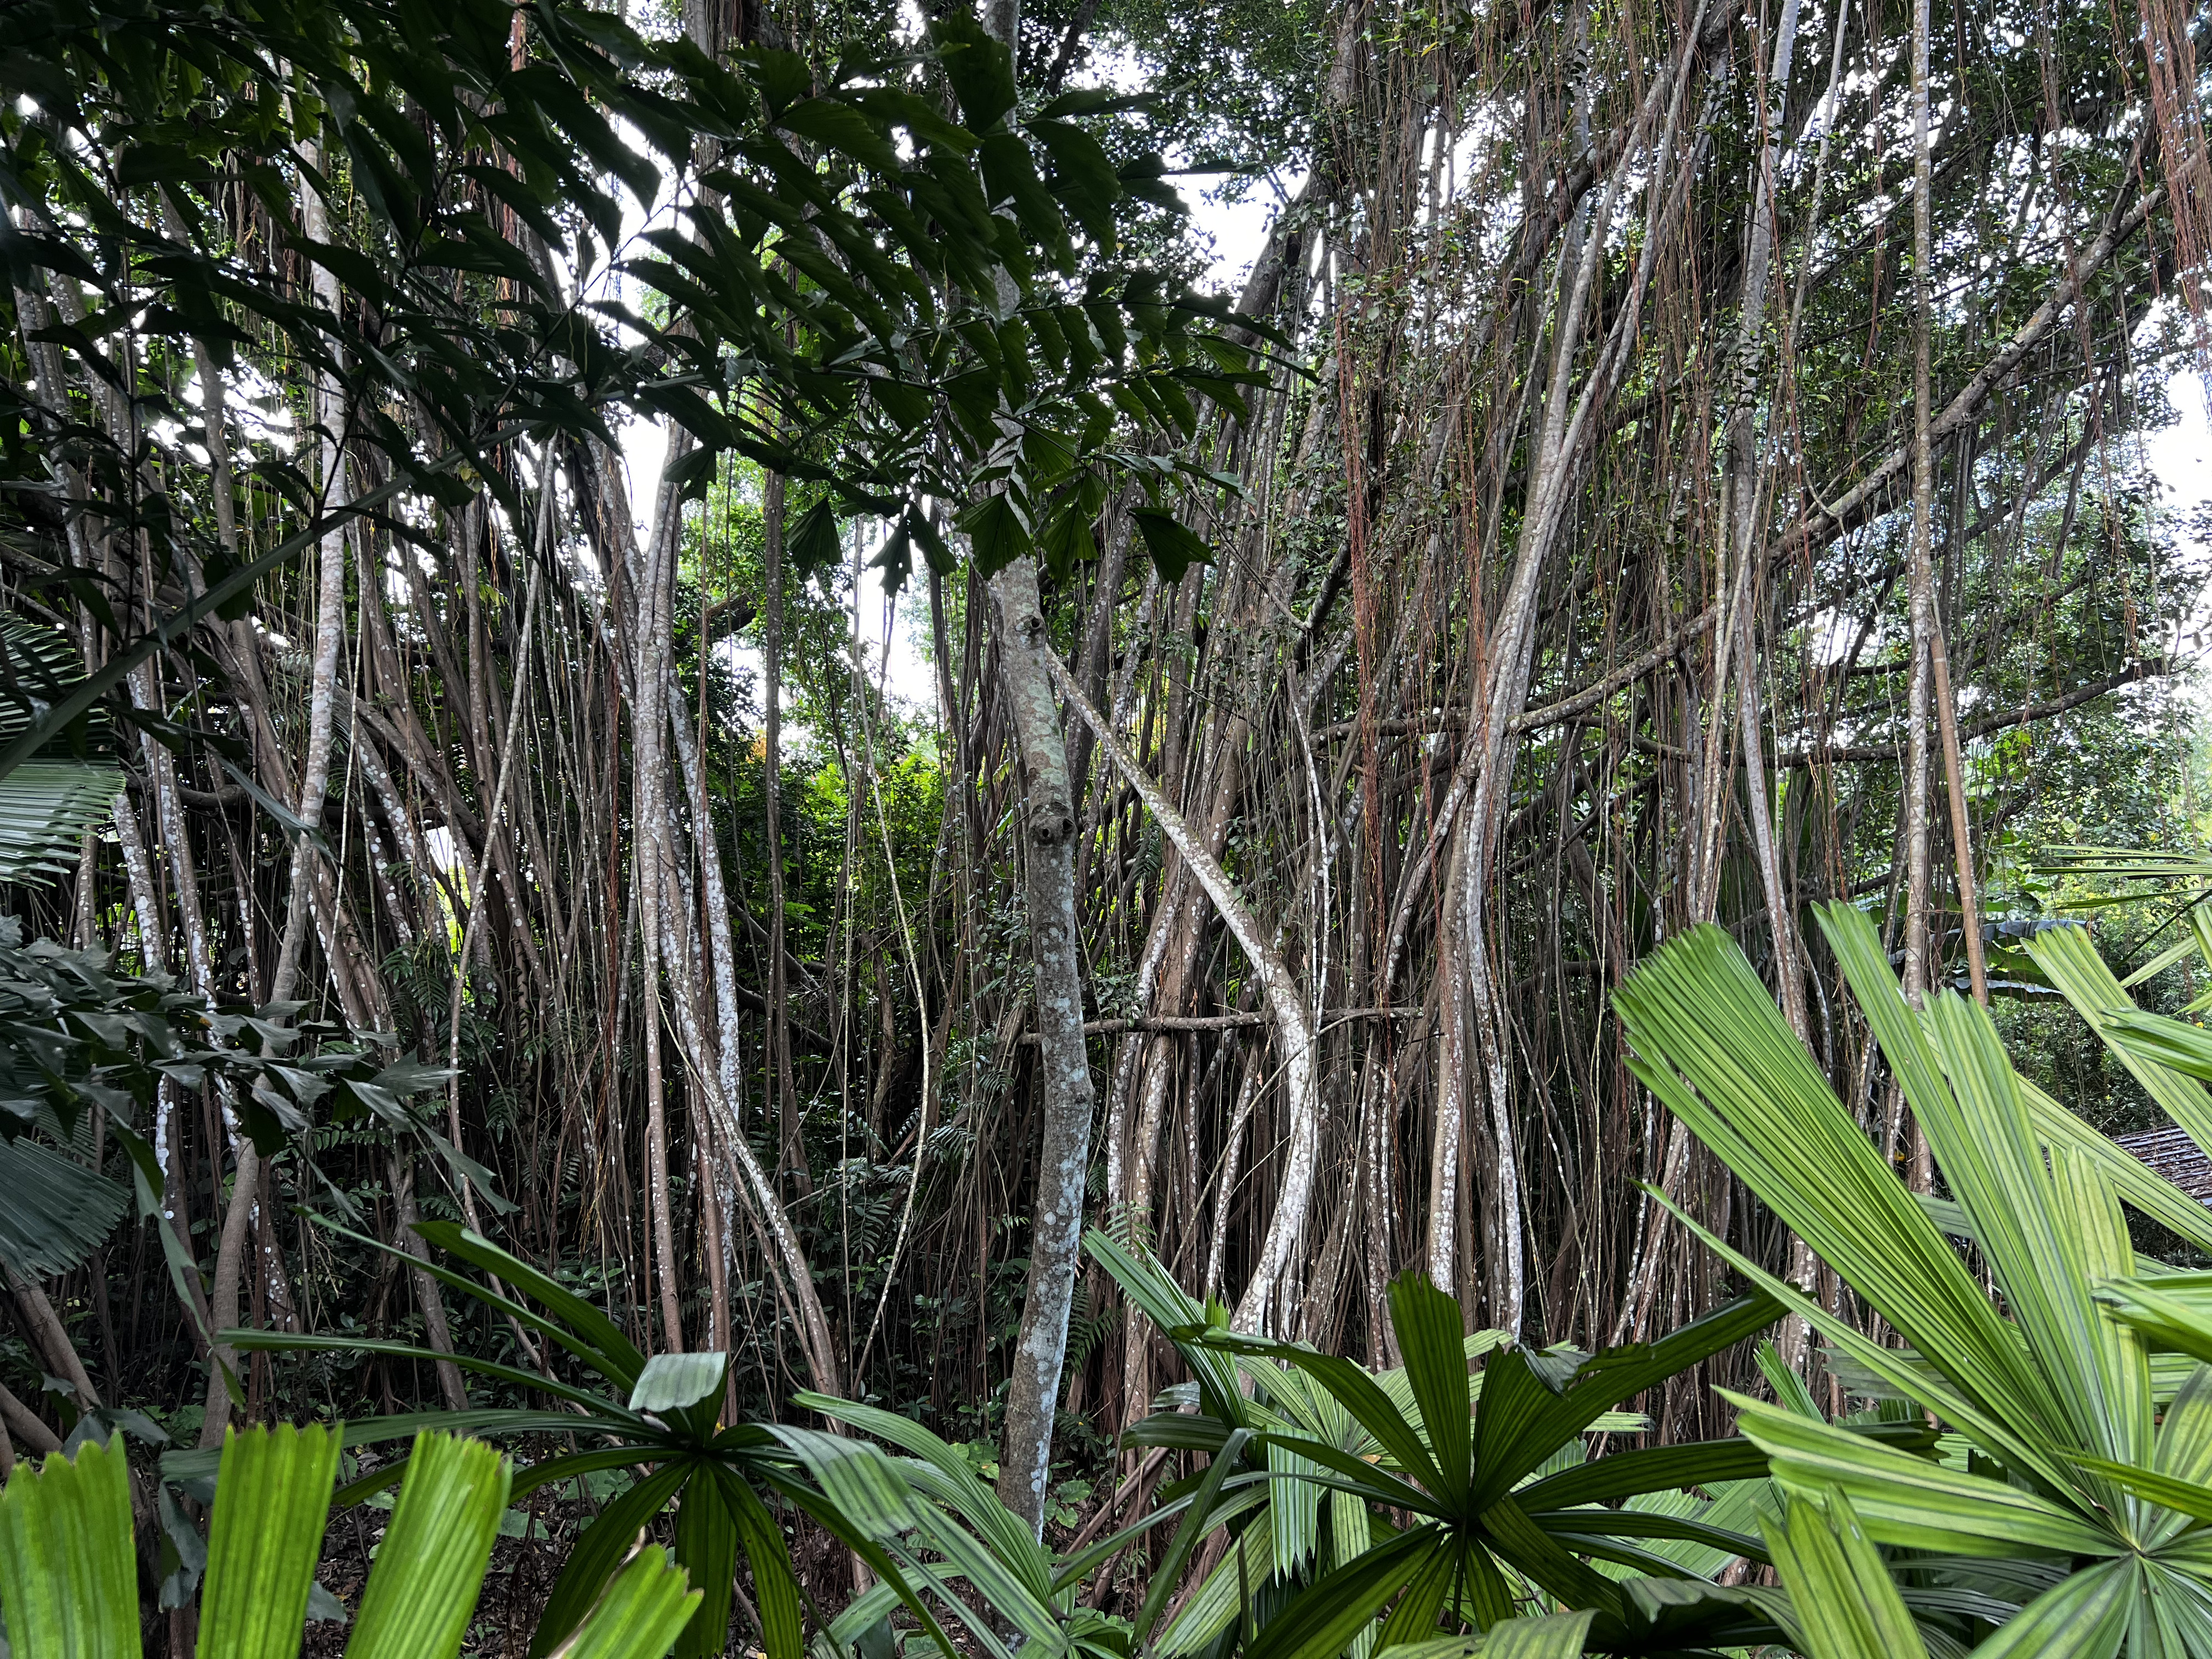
(721, 779)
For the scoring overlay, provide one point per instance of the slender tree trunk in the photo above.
(1747, 479)
(1064, 1065)
(651, 621)
(1919, 949)
(1285, 1001)
(790, 1154)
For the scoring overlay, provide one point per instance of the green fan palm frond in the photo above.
(2058, 1461)
(1453, 1492)
(54, 1211)
(68, 1588)
(660, 1414)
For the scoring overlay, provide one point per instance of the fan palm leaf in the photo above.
(2049, 1396)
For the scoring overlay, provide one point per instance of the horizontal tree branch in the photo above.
(1822, 521)
(1551, 714)
(1222, 1021)
(2135, 673)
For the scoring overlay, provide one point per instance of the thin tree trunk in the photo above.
(1293, 1022)
(790, 1154)
(1920, 964)
(1026, 665)
(651, 622)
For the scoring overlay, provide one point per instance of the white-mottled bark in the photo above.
(1293, 1020)
(1026, 664)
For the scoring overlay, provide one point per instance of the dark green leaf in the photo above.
(600, 1551)
(1172, 545)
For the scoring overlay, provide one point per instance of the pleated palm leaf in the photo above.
(1288, 1540)
(1844, 1603)
(661, 1415)
(2043, 1396)
(68, 1586)
(1503, 1515)
(48, 798)
(1007, 1591)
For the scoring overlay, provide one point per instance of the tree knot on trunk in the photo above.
(1051, 822)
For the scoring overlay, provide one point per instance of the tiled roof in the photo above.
(2173, 1154)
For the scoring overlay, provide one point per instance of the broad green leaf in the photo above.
(1670, 1614)
(775, 1585)
(2174, 1311)
(1172, 545)
(1524, 1417)
(1347, 1471)
(1414, 1616)
(815, 541)
(45, 808)
(599, 1550)
(1179, 1316)
(1083, 179)
(981, 69)
(1708, 1040)
(1341, 1603)
(839, 126)
(271, 1502)
(669, 1382)
(2044, 1230)
(998, 531)
(1242, 1493)
(2086, 1617)
(54, 1212)
(1430, 1335)
(2190, 1498)
(867, 1490)
(707, 1550)
(1220, 1596)
(2136, 1184)
(2068, 955)
(1293, 1500)
(576, 1325)
(1544, 1560)
(1651, 1468)
(68, 1588)
(834, 1521)
(1005, 1532)
(2183, 1451)
(998, 1598)
(571, 1465)
(430, 1566)
(1168, 1574)
(1905, 1375)
(1552, 1636)
(1356, 1392)
(1579, 1529)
